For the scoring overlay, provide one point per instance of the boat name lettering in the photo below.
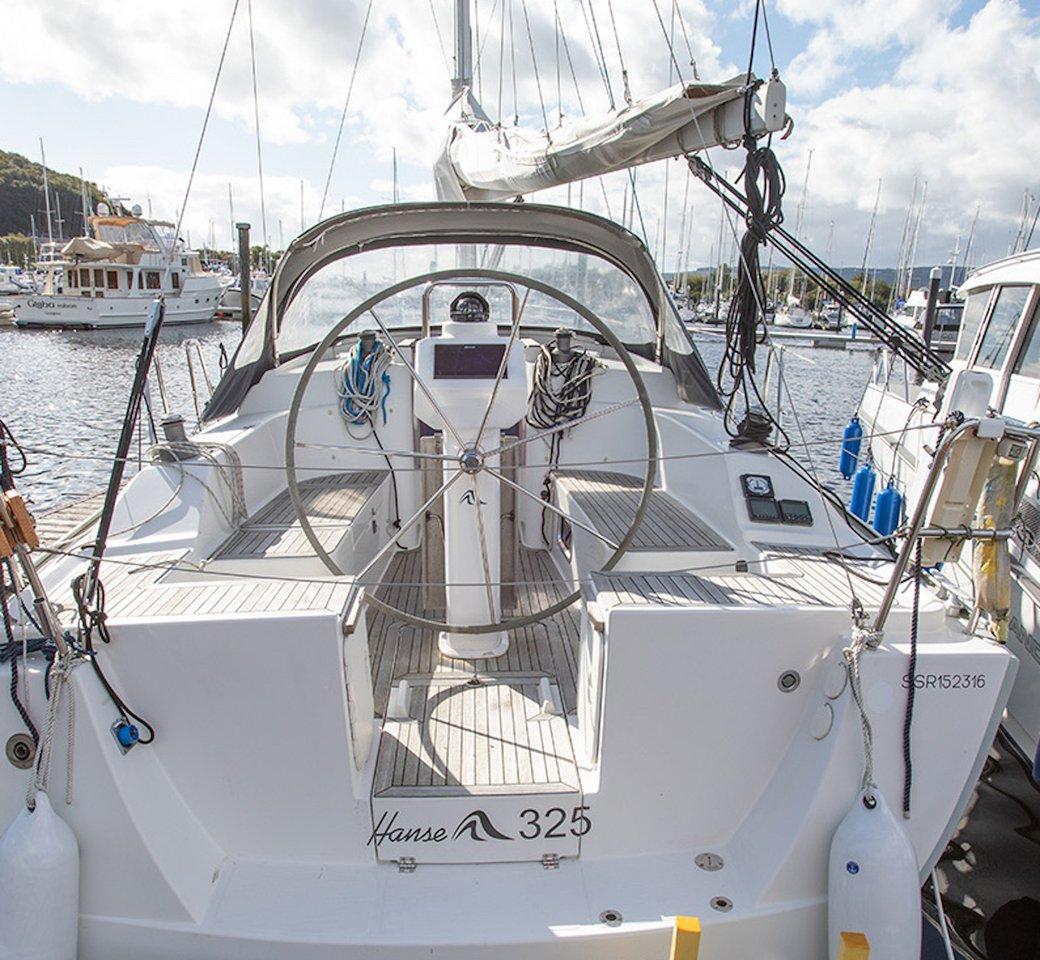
(48, 304)
(552, 823)
(946, 681)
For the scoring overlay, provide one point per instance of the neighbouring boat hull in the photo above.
(70, 313)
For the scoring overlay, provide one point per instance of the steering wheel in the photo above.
(472, 459)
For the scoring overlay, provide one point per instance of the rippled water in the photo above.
(64, 393)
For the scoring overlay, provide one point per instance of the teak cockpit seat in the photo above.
(335, 505)
(608, 502)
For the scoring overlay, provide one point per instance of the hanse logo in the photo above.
(470, 497)
(476, 825)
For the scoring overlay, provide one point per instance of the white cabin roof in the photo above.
(1020, 268)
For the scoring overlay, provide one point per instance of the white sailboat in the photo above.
(109, 280)
(462, 629)
(793, 314)
(996, 366)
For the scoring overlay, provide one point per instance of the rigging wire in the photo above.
(202, 132)
(581, 107)
(256, 119)
(481, 44)
(686, 37)
(621, 57)
(346, 102)
(667, 40)
(537, 73)
(440, 39)
(183, 566)
(597, 54)
(660, 458)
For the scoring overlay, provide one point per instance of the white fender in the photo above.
(39, 880)
(874, 888)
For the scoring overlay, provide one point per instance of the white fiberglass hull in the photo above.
(796, 318)
(42, 311)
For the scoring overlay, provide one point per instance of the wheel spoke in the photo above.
(419, 382)
(501, 370)
(541, 434)
(484, 551)
(408, 524)
(555, 509)
(376, 451)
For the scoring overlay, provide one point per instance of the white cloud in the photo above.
(961, 106)
(961, 111)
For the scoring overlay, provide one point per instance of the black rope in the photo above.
(11, 649)
(764, 186)
(7, 472)
(561, 392)
(908, 770)
(94, 621)
(393, 475)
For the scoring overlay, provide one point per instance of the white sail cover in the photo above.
(481, 161)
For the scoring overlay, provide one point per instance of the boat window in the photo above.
(84, 277)
(152, 279)
(175, 279)
(1002, 324)
(112, 278)
(1028, 364)
(971, 320)
(140, 279)
(73, 279)
(99, 278)
(339, 286)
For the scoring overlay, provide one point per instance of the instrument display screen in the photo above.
(764, 511)
(468, 361)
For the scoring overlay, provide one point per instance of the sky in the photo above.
(896, 91)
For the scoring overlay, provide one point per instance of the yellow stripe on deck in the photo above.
(686, 939)
(853, 946)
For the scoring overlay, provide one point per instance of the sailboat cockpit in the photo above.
(463, 580)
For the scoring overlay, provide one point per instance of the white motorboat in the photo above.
(996, 367)
(13, 282)
(231, 299)
(417, 642)
(946, 325)
(109, 280)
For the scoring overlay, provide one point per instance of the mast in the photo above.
(463, 49)
(46, 194)
(231, 220)
(967, 248)
(870, 237)
(912, 259)
(83, 201)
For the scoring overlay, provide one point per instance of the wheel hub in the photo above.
(471, 460)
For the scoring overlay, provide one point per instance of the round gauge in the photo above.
(758, 486)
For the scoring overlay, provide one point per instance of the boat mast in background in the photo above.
(47, 195)
(870, 238)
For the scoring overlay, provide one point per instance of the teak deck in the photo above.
(476, 726)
